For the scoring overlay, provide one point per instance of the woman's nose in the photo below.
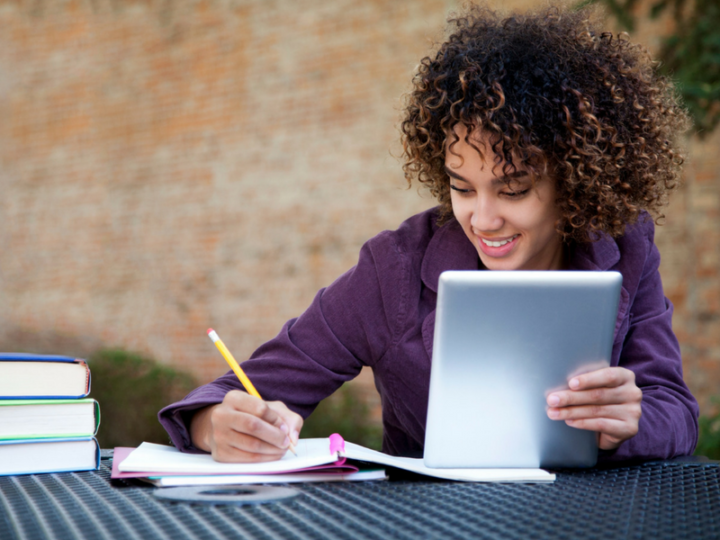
(486, 216)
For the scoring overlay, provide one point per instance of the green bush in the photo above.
(131, 390)
(345, 413)
(709, 441)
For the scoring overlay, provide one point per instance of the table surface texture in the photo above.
(655, 500)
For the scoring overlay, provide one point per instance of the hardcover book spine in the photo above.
(87, 376)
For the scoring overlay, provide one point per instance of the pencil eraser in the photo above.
(210, 330)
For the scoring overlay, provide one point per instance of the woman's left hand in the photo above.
(606, 401)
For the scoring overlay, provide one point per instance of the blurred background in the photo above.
(171, 165)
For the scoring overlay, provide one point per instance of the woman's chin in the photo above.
(496, 263)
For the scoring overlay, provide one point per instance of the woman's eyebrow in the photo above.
(454, 175)
(504, 179)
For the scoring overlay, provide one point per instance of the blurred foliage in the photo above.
(690, 56)
(131, 390)
(346, 413)
(709, 441)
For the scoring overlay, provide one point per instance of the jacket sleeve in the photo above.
(669, 422)
(347, 326)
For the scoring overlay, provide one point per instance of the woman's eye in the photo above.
(515, 194)
(459, 190)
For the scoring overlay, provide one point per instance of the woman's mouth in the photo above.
(497, 248)
(500, 243)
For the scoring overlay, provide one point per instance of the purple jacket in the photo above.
(381, 314)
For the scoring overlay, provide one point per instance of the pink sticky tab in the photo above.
(337, 443)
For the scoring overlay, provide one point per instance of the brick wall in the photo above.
(690, 246)
(689, 243)
(169, 166)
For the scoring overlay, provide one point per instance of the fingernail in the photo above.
(295, 436)
(553, 400)
(574, 383)
(286, 443)
(284, 429)
(569, 422)
(553, 413)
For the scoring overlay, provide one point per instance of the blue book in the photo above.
(43, 376)
(37, 456)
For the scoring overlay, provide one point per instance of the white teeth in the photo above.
(498, 244)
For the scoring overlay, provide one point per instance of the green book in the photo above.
(48, 418)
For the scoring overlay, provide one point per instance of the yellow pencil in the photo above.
(230, 359)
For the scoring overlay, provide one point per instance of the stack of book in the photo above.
(47, 423)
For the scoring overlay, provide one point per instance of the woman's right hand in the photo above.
(245, 429)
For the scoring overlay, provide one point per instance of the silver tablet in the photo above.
(503, 341)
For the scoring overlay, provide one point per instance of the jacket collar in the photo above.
(450, 249)
(602, 254)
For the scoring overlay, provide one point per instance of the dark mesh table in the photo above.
(657, 500)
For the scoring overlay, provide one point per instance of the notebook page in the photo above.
(156, 458)
(355, 451)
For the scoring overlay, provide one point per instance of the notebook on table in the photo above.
(329, 455)
(503, 341)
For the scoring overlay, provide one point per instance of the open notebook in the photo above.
(313, 455)
(344, 473)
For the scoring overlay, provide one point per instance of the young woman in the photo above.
(546, 143)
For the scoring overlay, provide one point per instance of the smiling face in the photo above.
(510, 220)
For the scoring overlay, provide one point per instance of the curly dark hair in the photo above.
(558, 97)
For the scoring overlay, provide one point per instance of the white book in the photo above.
(48, 455)
(48, 418)
(43, 376)
(280, 478)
